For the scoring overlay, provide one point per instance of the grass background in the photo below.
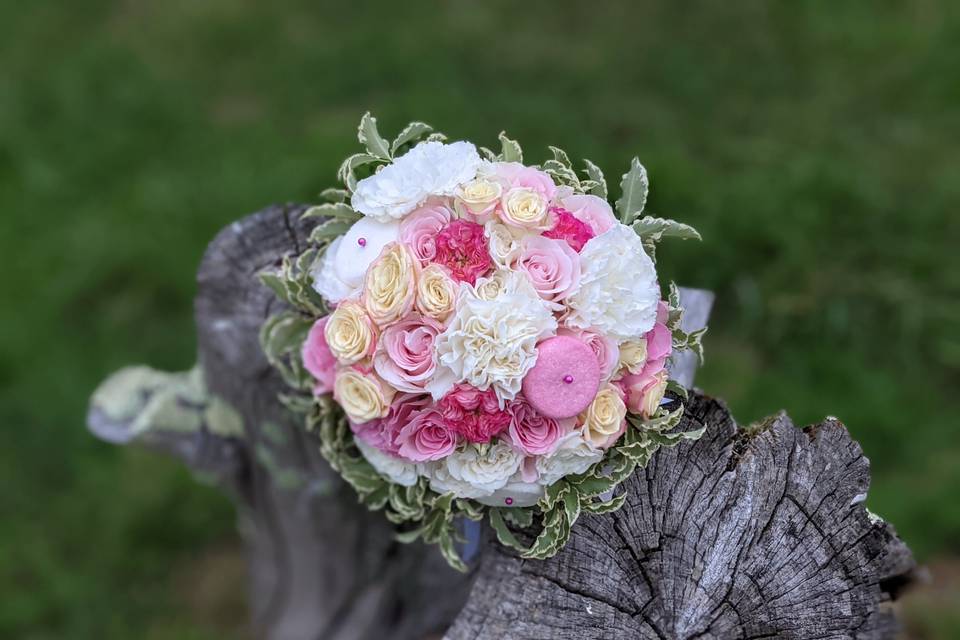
(814, 145)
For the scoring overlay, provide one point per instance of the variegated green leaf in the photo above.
(370, 138)
(410, 133)
(599, 186)
(634, 187)
(332, 210)
(511, 151)
(609, 506)
(504, 535)
(335, 195)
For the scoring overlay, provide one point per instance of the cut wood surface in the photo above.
(757, 533)
(733, 536)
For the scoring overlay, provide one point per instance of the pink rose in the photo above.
(382, 433)
(462, 248)
(552, 266)
(604, 347)
(593, 210)
(404, 356)
(530, 431)
(514, 174)
(644, 392)
(569, 228)
(474, 414)
(419, 229)
(317, 358)
(426, 437)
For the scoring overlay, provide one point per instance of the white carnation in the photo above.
(476, 471)
(338, 275)
(429, 169)
(393, 469)
(572, 455)
(493, 342)
(618, 293)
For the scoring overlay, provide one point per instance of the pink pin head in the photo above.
(568, 379)
(508, 501)
(362, 242)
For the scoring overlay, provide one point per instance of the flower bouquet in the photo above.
(469, 335)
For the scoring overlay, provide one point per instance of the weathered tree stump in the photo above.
(746, 533)
(321, 565)
(756, 533)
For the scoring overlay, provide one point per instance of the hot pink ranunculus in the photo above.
(474, 414)
(569, 228)
(426, 437)
(604, 347)
(405, 354)
(462, 248)
(552, 266)
(593, 210)
(382, 433)
(530, 431)
(419, 229)
(317, 358)
(514, 174)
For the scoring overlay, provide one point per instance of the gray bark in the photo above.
(757, 533)
(321, 565)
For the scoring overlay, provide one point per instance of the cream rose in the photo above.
(478, 198)
(350, 333)
(391, 285)
(526, 208)
(363, 397)
(503, 245)
(653, 395)
(633, 355)
(436, 293)
(603, 421)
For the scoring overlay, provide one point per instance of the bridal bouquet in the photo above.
(469, 335)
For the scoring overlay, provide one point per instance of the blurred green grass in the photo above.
(814, 145)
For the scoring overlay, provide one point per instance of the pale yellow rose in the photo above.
(478, 197)
(390, 287)
(653, 395)
(436, 293)
(526, 208)
(363, 397)
(603, 421)
(350, 333)
(633, 355)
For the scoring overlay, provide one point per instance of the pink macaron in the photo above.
(565, 379)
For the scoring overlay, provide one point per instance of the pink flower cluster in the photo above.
(398, 398)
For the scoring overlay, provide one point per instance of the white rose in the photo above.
(350, 333)
(429, 169)
(527, 209)
(392, 468)
(633, 355)
(604, 418)
(493, 343)
(503, 245)
(390, 287)
(572, 455)
(363, 397)
(478, 198)
(516, 493)
(476, 470)
(619, 292)
(338, 275)
(436, 293)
